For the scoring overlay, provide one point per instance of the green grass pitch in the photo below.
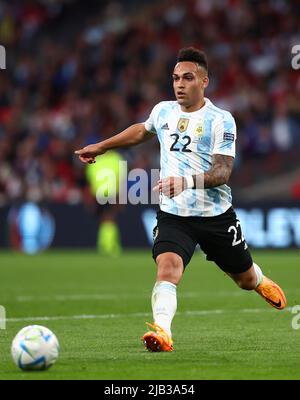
(98, 306)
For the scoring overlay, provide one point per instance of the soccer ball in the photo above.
(35, 348)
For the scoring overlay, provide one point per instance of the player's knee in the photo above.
(169, 268)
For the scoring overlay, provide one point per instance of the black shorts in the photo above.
(219, 237)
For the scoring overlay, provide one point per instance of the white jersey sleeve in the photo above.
(225, 136)
(150, 124)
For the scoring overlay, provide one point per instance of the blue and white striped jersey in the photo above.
(187, 142)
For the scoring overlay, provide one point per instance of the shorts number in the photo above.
(184, 147)
(233, 228)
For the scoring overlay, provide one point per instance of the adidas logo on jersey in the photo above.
(165, 126)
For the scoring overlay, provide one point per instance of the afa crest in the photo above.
(182, 124)
(155, 232)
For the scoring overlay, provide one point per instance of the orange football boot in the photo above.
(272, 293)
(158, 339)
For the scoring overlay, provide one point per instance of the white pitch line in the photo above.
(110, 296)
(72, 297)
(112, 316)
(114, 296)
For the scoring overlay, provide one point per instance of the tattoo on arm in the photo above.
(218, 174)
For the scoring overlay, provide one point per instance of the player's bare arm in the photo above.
(131, 136)
(217, 175)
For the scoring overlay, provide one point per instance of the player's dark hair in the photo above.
(194, 55)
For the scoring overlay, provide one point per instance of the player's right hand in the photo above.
(89, 153)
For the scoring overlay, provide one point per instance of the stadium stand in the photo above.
(78, 73)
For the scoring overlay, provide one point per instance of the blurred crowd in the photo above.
(79, 72)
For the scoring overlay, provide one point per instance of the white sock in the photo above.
(259, 274)
(164, 304)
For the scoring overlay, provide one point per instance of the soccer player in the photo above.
(197, 145)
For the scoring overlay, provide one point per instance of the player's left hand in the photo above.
(171, 186)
